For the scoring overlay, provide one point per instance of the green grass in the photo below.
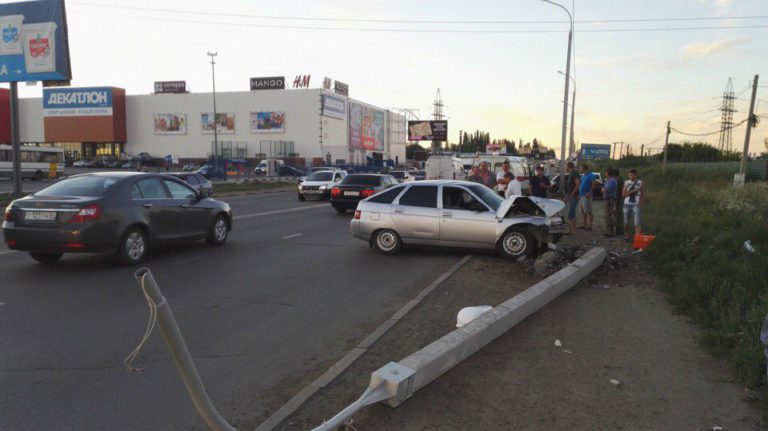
(701, 222)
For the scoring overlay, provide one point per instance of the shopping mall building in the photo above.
(316, 125)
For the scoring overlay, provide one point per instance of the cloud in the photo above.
(706, 49)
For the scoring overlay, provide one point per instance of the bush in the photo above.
(701, 222)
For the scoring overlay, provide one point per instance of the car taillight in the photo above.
(7, 215)
(335, 192)
(357, 214)
(367, 192)
(86, 214)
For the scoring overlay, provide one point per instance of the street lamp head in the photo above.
(213, 54)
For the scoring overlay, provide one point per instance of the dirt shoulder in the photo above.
(615, 325)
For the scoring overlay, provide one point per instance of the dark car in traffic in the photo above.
(212, 173)
(195, 180)
(356, 187)
(123, 213)
(289, 171)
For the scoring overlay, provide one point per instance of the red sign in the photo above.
(39, 47)
(301, 81)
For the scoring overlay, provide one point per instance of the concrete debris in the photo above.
(717, 428)
(567, 351)
(615, 382)
(545, 262)
(748, 246)
(558, 343)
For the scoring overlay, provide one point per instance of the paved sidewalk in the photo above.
(615, 325)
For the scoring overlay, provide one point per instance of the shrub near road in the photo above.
(701, 223)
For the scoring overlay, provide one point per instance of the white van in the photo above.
(261, 169)
(518, 165)
(444, 168)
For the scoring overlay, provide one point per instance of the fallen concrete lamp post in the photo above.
(397, 381)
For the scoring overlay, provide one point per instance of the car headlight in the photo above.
(323, 187)
(299, 186)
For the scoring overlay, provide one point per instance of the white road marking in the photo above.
(293, 236)
(287, 210)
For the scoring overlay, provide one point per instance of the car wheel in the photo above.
(133, 247)
(219, 231)
(340, 210)
(387, 241)
(516, 242)
(301, 197)
(46, 258)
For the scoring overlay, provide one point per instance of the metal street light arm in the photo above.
(563, 8)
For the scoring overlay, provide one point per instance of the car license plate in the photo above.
(40, 215)
(351, 193)
(312, 192)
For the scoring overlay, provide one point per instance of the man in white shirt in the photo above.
(501, 180)
(514, 188)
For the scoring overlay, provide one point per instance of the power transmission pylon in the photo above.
(726, 123)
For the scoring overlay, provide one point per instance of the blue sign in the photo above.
(595, 151)
(34, 44)
(75, 102)
(334, 106)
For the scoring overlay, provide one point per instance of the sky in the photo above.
(496, 63)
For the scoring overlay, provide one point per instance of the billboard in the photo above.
(595, 151)
(268, 122)
(225, 123)
(334, 106)
(341, 88)
(170, 87)
(77, 102)
(268, 83)
(428, 130)
(34, 43)
(173, 123)
(366, 127)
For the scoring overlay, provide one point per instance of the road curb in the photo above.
(339, 367)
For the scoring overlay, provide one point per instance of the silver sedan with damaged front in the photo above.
(457, 214)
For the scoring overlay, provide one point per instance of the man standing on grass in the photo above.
(571, 198)
(633, 196)
(586, 189)
(609, 194)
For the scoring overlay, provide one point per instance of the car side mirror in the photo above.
(202, 194)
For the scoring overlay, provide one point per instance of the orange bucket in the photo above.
(642, 241)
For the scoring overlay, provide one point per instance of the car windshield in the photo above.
(362, 180)
(79, 186)
(487, 195)
(320, 176)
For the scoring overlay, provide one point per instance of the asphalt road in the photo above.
(286, 297)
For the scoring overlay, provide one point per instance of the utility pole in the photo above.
(15, 145)
(621, 150)
(215, 126)
(629, 150)
(642, 148)
(750, 123)
(666, 147)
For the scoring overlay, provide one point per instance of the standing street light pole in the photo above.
(565, 94)
(215, 126)
(572, 146)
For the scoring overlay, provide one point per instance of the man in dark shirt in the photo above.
(540, 183)
(572, 184)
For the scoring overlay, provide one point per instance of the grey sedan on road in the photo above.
(125, 213)
(458, 214)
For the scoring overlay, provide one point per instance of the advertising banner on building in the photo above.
(341, 88)
(77, 102)
(334, 106)
(171, 124)
(595, 151)
(366, 127)
(268, 122)
(33, 46)
(428, 130)
(225, 123)
(170, 87)
(268, 83)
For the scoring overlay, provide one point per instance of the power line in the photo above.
(412, 21)
(709, 133)
(404, 30)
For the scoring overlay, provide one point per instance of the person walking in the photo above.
(633, 197)
(540, 183)
(586, 188)
(571, 198)
(487, 177)
(609, 195)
